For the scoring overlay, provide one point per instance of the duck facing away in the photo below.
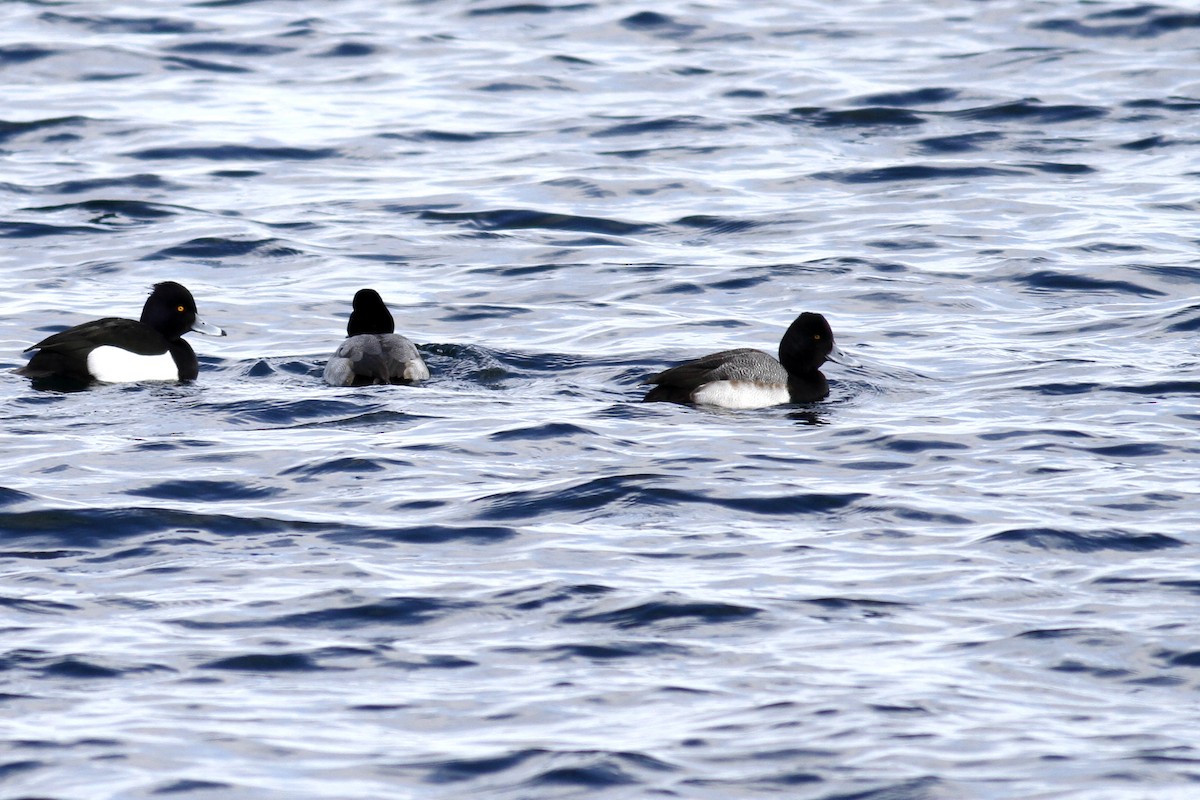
(116, 350)
(372, 352)
(747, 378)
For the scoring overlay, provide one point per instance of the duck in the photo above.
(746, 378)
(372, 352)
(118, 350)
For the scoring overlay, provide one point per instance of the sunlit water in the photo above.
(969, 573)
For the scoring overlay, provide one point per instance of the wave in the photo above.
(137, 25)
(104, 211)
(538, 768)
(658, 24)
(914, 172)
(521, 219)
(13, 54)
(1032, 110)
(528, 8)
(39, 230)
(233, 152)
(1157, 22)
(960, 143)
(61, 533)
(669, 611)
(661, 125)
(868, 117)
(913, 97)
(10, 130)
(224, 48)
(639, 490)
(348, 611)
(204, 490)
(1057, 281)
(138, 181)
(1086, 541)
(220, 247)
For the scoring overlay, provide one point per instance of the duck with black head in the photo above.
(372, 352)
(118, 350)
(746, 378)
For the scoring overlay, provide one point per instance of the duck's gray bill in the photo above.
(200, 326)
(838, 356)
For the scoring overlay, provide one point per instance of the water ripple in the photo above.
(231, 152)
(1160, 22)
(1086, 542)
(520, 219)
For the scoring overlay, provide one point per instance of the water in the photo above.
(968, 573)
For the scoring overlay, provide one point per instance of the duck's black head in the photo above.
(807, 344)
(370, 315)
(171, 311)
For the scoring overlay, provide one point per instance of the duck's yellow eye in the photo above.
(179, 309)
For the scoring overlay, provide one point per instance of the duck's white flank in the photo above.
(741, 394)
(114, 365)
(416, 370)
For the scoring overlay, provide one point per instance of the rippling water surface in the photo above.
(969, 573)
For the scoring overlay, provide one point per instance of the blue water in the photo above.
(969, 573)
